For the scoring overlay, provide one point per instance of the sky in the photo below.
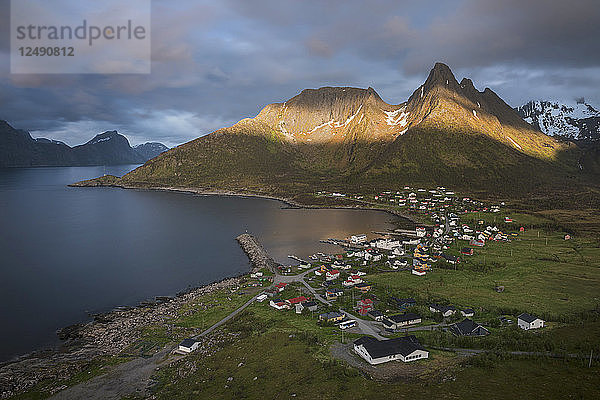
(216, 62)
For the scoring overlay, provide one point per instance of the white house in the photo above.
(358, 238)
(404, 349)
(188, 345)
(331, 275)
(526, 321)
(445, 310)
(398, 321)
(261, 298)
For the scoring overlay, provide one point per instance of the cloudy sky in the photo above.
(216, 62)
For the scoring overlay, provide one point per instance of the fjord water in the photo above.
(68, 252)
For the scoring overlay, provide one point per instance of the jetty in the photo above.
(256, 253)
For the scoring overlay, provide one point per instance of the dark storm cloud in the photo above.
(214, 63)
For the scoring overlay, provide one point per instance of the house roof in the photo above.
(375, 313)
(404, 317)
(309, 304)
(527, 317)
(297, 300)
(361, 285)
(377, 349)
(188, 342)
(405, 301)
(466, 327)
(333, 272)
(329, 315)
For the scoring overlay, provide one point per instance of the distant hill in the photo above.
(150, 149)
(19, 149)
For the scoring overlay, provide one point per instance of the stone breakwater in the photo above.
(108, 335)
(256, 253)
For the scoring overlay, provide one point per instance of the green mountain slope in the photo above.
(447, 133)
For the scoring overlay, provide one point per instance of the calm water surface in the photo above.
(68, 252)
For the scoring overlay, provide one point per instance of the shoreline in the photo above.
(228, 193)
(99, 318)
(108, 334)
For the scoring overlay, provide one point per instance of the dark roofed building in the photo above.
(405, 349)
(528, 321)
(397, 321)
(468, 328)
(376, 315)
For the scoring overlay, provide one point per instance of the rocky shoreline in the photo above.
(108, 334)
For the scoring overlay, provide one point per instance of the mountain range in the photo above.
(348, 139)
(578, 120)
(19, 149)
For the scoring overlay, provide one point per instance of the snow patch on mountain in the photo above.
(574, 120)
(397, 117)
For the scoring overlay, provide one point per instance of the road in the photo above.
(123, 380)
(364, 326)
(227, 318)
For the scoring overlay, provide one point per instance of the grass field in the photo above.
(279, 363)
(542, 274)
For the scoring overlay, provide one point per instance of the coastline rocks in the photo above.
(256, 253)
(108, 335)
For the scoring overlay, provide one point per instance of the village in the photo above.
(409, 300)
(335, 291)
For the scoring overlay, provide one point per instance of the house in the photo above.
(376, 315)
(364, 306)
(188, 345)
(331, 275)
(309, 305)
(468, 328)
(467, 251)
(280, 286)
(527, 321)
(445, 310)
(395, 322)
(477, 242)
(279, 304)
(363, 287)
(296, 300)
(333, 293)
(404, 349)
(358, 238)
(405, 303)
(418, 272)
(467, 312)
(331, 317)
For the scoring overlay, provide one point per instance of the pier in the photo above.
(256, 253)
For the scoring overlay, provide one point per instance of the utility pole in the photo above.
(590, 364)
